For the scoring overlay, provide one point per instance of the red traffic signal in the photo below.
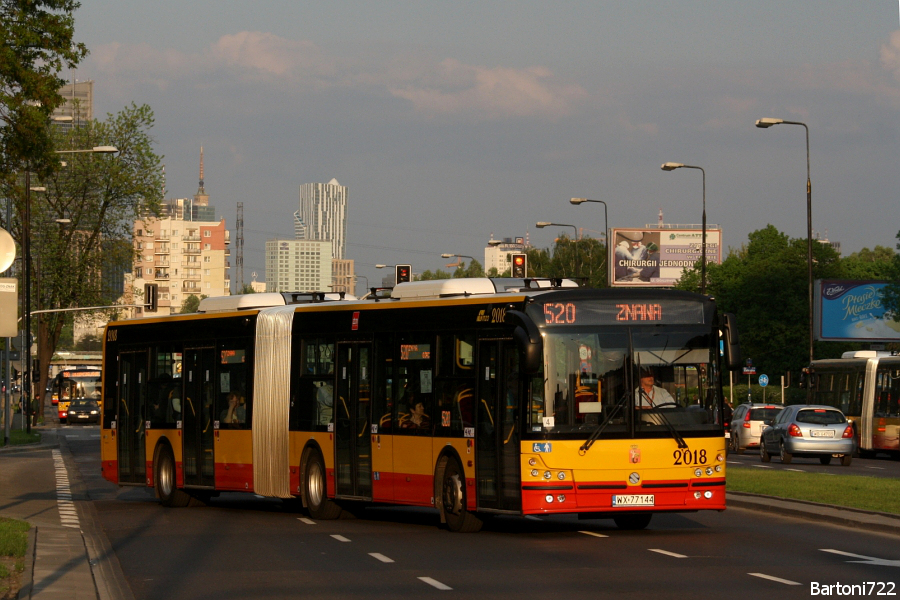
(519, 265)
(402, 273)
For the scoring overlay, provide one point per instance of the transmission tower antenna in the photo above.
(239, 234)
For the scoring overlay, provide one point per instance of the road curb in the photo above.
(839, 515)
(28, 573)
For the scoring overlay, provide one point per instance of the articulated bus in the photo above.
(476, 397)
(865, 385)
(80, 383)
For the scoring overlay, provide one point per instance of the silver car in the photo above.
(811, 431)
(747, 423)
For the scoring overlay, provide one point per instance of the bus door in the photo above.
(352, 420)
(496, 427)
(130, 417)
(197, 416)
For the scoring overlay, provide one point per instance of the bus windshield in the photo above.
(633, 383)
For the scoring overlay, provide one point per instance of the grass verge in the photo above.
(13, 544)
(853, 491)
(17, 436)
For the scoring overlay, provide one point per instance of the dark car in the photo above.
(808, 430)
(83, 410)
(747, 423)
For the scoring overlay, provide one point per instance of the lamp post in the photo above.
(364, 277)
(26, 242)
(576, 202)
(542, 224)
(459, 258)
(671, 166)
(765, 123)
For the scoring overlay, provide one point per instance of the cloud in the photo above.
(453, 88)
(431, 88)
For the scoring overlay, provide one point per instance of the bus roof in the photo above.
(442, 288)
(866, 354)
(266, 300)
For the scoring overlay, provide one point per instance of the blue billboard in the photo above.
(853, 311)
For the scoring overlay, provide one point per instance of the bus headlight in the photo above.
(707, 494)
(549, 499)
(547, 475)
(561, 476)
(718, 468)
(698, 473)
(709, 471)
(534, 473)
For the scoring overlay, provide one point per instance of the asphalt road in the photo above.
(244, 547)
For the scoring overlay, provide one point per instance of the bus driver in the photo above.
(649, 395)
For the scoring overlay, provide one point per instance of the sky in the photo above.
(453, 123)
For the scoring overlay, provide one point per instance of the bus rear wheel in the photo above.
(633, 522)
(316, 489)
(166, 481)
(453, 497)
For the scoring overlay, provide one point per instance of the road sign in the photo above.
(763, 380)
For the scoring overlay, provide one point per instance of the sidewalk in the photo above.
(77, 562)
(67, 557)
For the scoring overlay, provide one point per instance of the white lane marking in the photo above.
(763, 466)
(435, 583)
(68, 515)
(380, 557)
(340, 538)
(879, 468)
(796, 470)
(593, 534)
(305, 520)
(869, 560)
(776, 579)
(667, 553)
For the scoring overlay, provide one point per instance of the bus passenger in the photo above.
(417, 417)
(650, 395)
(235, 413)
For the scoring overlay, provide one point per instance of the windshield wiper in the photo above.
(675, 435)
(593, 437)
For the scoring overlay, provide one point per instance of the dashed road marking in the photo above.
(435, 583)
(667, 553)
(775, 579)
(305, 520)
(340, 538)
(593, 534)
(68, 515)
(381, 557)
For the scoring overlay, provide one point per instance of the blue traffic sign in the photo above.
(763, 380)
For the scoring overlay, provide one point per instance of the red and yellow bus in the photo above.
(80, 383)
(865, 386)
(472, 396)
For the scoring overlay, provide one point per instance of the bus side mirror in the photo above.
(731, 343)
(529, 340)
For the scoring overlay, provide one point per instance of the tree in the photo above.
(891, 296)
(432, 275)
(869, 264)
(247, 289)
(82, 223)
(191, 303)
(36, 43)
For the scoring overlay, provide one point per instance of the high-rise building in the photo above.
(323, 215)
(185, 251)
(298, 266)
(497, 254)
(78, 103)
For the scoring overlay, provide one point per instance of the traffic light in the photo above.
(151, 297)
(519, 265)
(402, 273)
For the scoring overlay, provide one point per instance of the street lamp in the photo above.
(542, 224)
(671, 166)
(765, 123)
(576, 202)
(26, 242)
(459, 257)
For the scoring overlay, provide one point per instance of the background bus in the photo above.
(865, 385)
(475, 397)
(75, 384)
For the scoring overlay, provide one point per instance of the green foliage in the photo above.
(191, 303)
(36, 43)
(432, 275)
(13, 537)
(247, 289)
(892, 291)
(584, 259)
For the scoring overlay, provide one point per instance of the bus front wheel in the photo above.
(166, 482)
(316, 489)
(453, 497)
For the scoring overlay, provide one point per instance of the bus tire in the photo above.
(166, 481)
(316, 489)
(453, 497)
(633, 522)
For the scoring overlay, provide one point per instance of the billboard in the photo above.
(657, 257)
(852, 311)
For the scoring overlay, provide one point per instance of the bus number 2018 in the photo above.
(688, 457)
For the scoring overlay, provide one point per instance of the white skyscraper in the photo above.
(323, 215)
